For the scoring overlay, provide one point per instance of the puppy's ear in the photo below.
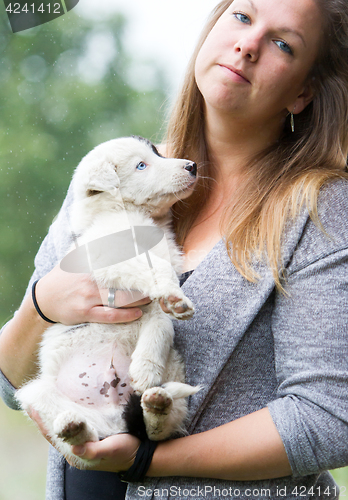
(102, 178)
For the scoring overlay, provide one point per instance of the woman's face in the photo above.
(256, 60)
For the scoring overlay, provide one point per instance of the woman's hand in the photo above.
(66, 298)
(117, 453)
(71, 299)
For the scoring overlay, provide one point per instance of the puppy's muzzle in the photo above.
(191, 167)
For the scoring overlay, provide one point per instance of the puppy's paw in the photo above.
(73, 429)
(157, 405)
(157, 401)
(144, 373)
(179, 306)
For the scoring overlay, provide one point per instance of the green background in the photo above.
(51, 114)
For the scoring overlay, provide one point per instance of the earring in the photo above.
(292, 122)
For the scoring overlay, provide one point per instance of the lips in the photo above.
(236, 71)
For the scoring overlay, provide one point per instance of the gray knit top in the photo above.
(251, 347)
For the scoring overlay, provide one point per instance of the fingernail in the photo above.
(138, 313)
(79, 450)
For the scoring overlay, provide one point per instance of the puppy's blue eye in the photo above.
(141, 166)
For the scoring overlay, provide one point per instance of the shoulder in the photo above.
(162, 149)
(329, 234)
(57, 241)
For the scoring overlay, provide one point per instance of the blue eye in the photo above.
(141, 166)
(283, 46)
(243, 18)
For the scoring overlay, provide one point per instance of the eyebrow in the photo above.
(252, 5)
(284, 29)
(294, 32)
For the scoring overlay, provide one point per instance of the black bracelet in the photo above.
(138, 470)
(37, 305)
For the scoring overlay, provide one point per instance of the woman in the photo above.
(264, 111)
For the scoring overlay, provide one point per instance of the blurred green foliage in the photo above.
(65, 87)
(341, 478)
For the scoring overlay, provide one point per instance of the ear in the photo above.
(302, 100)
(101, 178)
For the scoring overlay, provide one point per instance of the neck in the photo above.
(233, 142)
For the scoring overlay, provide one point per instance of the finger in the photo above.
(142, 302)
(130, 298)
(79, 450)
(115, 452)
(124, 298)
(102, 314)
(90, 450)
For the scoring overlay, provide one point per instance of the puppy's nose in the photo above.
(191, 167)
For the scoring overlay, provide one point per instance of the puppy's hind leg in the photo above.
(61, 417)
(73, 428)
(165, 408)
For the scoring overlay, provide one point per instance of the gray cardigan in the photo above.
(253, 347)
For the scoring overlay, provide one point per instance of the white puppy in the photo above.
(88, 372)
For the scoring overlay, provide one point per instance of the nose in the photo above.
(191, 167)
(249, 47)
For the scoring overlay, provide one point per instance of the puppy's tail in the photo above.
(178, 390)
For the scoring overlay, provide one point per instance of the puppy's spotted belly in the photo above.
(96, 380)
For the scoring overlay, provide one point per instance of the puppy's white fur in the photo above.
(78, 393)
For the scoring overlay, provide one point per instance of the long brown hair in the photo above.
(281, 179)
